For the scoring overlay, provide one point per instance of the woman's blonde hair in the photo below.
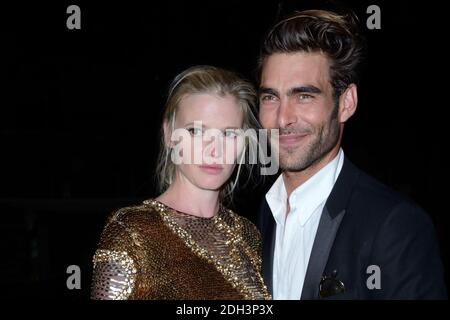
(205, 80)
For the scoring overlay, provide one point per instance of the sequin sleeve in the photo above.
(115, 264)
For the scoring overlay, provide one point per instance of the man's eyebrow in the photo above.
(292, 91)
(268, 91)
(304, 89)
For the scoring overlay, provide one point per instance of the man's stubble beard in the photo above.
(299, 159)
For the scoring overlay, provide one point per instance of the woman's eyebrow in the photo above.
(193, 123)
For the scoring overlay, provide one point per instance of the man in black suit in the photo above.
(329, 230)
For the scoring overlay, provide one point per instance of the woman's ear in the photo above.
(348, 103)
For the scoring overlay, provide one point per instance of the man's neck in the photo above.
(293, 179)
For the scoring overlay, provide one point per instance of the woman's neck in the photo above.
(185, 197)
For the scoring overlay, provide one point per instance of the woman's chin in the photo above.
(210, 184)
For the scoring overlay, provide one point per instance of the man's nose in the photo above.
(286, 114)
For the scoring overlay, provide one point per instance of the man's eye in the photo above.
(304, 96)
(195, 132)
(267, 98)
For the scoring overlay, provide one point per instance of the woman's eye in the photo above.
(195, 132)
(230, 133)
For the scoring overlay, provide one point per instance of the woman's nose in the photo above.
(215, 146)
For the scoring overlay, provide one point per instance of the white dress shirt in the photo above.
(295, 231)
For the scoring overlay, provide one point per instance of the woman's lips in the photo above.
(211, 169)
(291, 139)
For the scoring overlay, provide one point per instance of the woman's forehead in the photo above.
(212, 110)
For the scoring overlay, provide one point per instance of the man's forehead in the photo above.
(295, 70)
(307, 58)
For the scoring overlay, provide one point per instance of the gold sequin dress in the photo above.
(151, 251)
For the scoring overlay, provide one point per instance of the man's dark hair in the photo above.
(337, 36)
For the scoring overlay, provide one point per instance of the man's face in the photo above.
(296, 97)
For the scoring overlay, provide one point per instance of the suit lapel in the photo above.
(332, 215)
(331, 218)
(326, 233)
(268, 232)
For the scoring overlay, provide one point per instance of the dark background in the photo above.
(80, 113)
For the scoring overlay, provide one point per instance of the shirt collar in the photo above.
(276, 198)
(306, 198)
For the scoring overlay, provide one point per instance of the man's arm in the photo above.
(407, 251)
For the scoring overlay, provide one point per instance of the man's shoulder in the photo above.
(375, 192)
(374, 200)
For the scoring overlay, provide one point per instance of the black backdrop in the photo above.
(80, 113)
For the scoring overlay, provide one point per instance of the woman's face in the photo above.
(207, 139)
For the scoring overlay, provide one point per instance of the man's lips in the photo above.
(211, 168)
(291, 139)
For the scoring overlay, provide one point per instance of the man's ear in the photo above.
(348, 102)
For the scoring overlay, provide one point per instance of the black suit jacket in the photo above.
(364, 223)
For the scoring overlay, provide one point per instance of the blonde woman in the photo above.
(185, 244)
